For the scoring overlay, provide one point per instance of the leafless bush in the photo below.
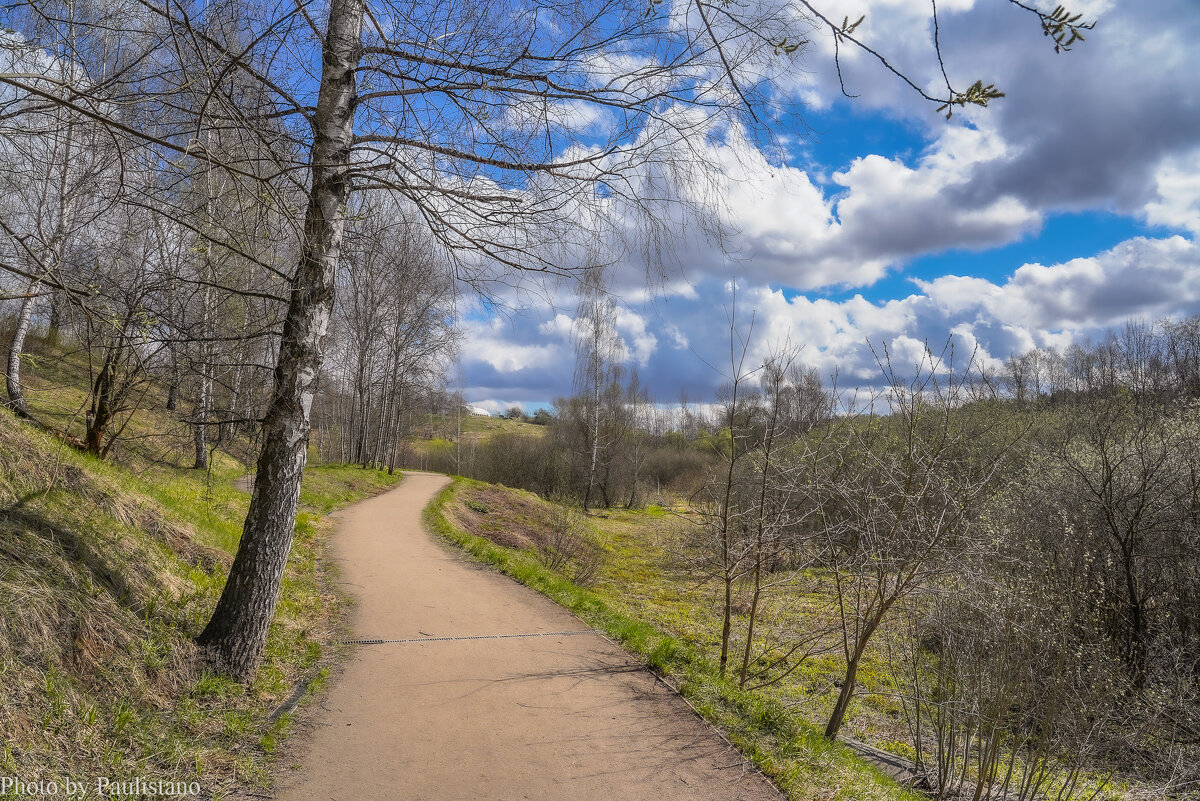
(678, 470)
(516, 460)
(568, 547)
(1005, 694)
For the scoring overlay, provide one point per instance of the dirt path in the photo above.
(553, 717)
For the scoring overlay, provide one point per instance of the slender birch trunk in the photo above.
(201, 412)
(16, 398)
(204, 399)
(237, 633)
(173, 388)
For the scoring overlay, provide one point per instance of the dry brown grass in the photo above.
(563, 538)
(107, 572)
(93, 601)
(512, 518)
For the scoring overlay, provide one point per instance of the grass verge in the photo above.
(107, 573)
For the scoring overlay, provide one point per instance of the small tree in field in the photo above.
(896, 504)
(720, 545)
(788, 408)
(598, 354)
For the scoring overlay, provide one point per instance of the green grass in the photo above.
(109, 569)
(787, 748)
(643, 579)
(435, 434)
(329, 487)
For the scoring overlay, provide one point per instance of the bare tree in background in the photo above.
(393, 334)
(720, 546)
(791, 403)
(639, 411)
(598, 357)
(120, 332)
(896, 505)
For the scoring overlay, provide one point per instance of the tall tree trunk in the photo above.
(397, 430)
(764, 478)
(229, 427)
(173, 388)
(728, 567)
(16, 398)
(377, 449)
(204, 399)
(54, 329)
(100, 415)
(847, 692)
(201, 412)
(594, 447)
(236, 634)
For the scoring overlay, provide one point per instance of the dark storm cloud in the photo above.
(535, 382)
(1088, 128)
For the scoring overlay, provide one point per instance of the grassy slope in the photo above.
(107, 572)
(434, 431)
(787, 747)
(641, 578)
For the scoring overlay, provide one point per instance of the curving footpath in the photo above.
(561, 715)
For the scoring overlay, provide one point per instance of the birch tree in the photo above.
(598, 355)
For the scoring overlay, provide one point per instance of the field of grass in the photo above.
(109, 569)
(643, 576)
(437, 435)
(670, 627)
(474, 427)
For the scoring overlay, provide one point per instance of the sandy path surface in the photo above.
(551, 718)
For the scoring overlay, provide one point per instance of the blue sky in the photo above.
(1064, 208)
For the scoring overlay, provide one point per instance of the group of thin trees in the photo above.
(607, 445)
(168, 281)
(1023, 555)
(1152, 360)
(147, 271)
(393, 337)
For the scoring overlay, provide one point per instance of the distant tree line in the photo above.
(1152, 361)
